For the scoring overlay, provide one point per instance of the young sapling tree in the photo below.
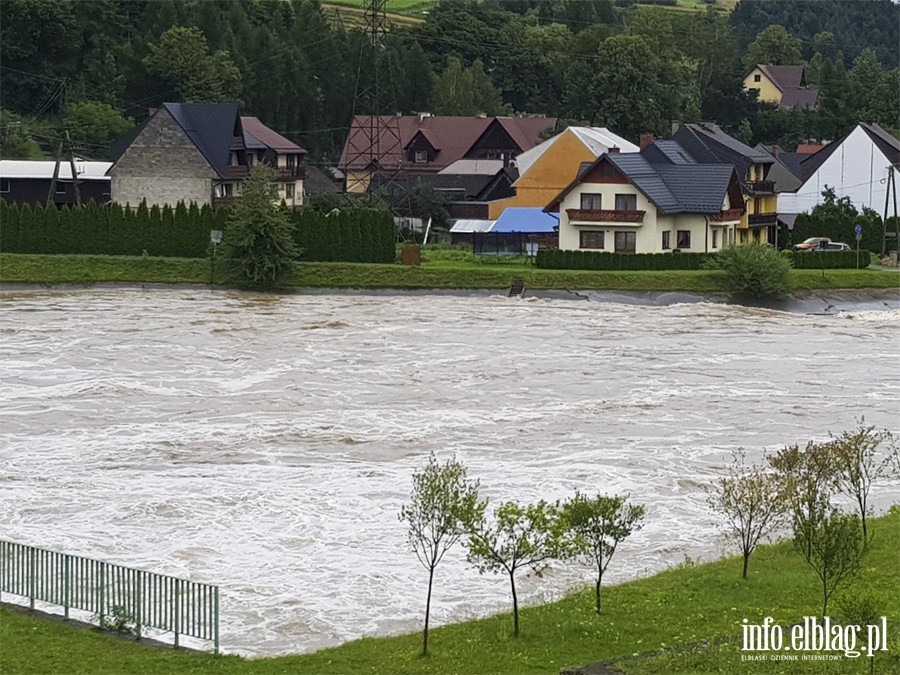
(833, 545)
(598, 525)
(517, 537)
(443, 498)
(857, 464)
(751, 500)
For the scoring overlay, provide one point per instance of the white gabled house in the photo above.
(654, 201)
(856, 166)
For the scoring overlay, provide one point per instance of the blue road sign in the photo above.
(858, 229)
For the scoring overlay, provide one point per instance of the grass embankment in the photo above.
(441, 274)
(681, 606)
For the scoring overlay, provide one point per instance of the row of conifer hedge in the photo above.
(345, 235)
(554, 259)
(834, 260)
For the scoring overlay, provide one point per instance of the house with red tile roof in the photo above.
(424, 144)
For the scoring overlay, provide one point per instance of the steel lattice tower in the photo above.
(377, 143)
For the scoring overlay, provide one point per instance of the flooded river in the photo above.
(266, 443)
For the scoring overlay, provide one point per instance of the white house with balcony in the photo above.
(649, 203)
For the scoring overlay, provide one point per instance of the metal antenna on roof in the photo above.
(375, 149)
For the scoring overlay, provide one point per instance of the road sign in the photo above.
(858, 236)
(858, 229)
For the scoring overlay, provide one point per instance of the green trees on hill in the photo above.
(632, 66)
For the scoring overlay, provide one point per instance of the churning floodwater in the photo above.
(266, 443)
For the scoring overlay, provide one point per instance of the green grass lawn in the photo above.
(445, 270)
(683, 605)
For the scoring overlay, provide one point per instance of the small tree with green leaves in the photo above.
(752, 270)
(442, 500)
(858, 464)
(833, 545)
(258, 241)
(752, 502)
(517, 537)
(807, 480)
(598, 524)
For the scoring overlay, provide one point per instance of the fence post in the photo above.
(102, 591)
(216, 619)
(67, 574)
(33, 580)
(176, 588)
(136, 595)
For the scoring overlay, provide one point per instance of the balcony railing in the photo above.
(761, 219)
(238, 171)
(761, 187)
(290, 172)
(727, 215)
(604, 215)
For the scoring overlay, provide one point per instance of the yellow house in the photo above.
(782, 85)
(708, 143)
(548, 168)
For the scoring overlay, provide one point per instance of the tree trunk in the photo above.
(512, 582)
(427, 613)
(824, 598)
(746, 560)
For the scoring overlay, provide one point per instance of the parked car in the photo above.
(834, 246)
(825, 246)
(812, 242)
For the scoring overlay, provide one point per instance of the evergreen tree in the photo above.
(258, 240)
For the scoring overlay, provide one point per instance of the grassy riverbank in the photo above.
(682, 606)
(76, 269)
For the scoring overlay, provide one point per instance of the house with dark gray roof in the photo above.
(855, 166)
(654, 201)
(782, 85)
(200, 152)
(707, 143)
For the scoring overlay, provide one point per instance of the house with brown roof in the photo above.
(265, 146)
(782, 85)
(424, 144)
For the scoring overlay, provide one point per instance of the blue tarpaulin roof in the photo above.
(525, 219)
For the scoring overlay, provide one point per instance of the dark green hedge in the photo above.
(348, 235)
(834, 260)
(554, 259)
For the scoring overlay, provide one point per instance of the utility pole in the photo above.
(65, 148)
(891, 190)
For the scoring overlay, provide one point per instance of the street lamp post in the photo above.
(215, 236)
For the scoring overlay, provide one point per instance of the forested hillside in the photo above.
(95, 67)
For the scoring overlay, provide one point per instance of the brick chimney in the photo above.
(613, 150)
(646, 139)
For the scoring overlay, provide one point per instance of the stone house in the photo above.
(200, 152)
